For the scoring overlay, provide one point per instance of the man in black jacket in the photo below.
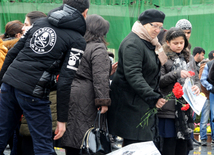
(54, 45)
(198, 53)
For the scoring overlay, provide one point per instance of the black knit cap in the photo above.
(151, 15)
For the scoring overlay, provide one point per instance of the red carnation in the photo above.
(185, 107)
(178, 90)
(57, 77)
(191, 73)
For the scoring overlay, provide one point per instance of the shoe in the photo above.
(203, 142)
(212, 141)
(118, 139)
(7, 147)
(195, 144)
(116, 146)
(195, 141)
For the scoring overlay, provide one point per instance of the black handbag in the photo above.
(96, 140)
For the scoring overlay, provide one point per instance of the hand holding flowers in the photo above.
(160, 102)
(185, 74)
(177, 92)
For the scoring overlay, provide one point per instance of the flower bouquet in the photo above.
(176, 93)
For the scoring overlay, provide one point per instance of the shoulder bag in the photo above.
(96, 140)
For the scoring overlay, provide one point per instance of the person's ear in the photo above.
(167, 43)
(85, 13)
(18, 35)
(197, 54)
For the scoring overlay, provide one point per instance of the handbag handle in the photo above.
(99, 122)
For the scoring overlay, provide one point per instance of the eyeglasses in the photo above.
(156, 26)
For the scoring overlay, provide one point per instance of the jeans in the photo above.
(37, 112)
(205, 114)
(212, 114)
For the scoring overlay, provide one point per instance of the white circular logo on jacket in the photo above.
(43, 40)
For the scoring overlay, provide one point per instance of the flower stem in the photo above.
(146, 116)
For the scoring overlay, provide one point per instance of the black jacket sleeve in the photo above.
(66, 76)
(168, 78)
(211, 75)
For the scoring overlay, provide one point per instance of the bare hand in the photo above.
(60, 130)
(103, 109)
(160, 103)
(196, 90)
(185, 74)
(114, 67)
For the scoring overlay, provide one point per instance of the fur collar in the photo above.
(172, 55)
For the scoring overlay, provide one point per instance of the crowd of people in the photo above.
(57, 72)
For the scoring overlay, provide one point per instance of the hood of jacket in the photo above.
(172, 55)
(9, 43)
(68, 18)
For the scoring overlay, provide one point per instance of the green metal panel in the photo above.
(121, 15)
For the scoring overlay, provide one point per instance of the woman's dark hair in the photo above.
(12, 28)
(34, 15)
(80, 5)
(96, 29)
(173, 33)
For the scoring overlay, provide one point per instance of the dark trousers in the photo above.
(72, 151)
(173, 146)
(129, 141)
(37, 112)
(27, 145)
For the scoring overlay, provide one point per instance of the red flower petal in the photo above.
(177, 90)
(185, 107)
(191, 73)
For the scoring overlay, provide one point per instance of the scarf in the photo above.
(140, 30)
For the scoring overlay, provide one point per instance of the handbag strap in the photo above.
(107, 131)
(98, 121)
(85, 138)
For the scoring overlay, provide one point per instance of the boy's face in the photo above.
(187, 33)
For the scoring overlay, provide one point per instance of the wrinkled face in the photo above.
(200, 57)
(27, 25)
(153, 28)
(187, 33)
(177, 44)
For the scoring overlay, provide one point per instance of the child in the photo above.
(176, 125)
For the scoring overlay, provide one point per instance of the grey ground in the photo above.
(198, 150)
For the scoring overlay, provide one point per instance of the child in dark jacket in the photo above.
(176, 125)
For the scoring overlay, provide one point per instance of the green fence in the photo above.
(121, 15)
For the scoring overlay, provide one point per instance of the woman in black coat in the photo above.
(90, 88)
(134, 89)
